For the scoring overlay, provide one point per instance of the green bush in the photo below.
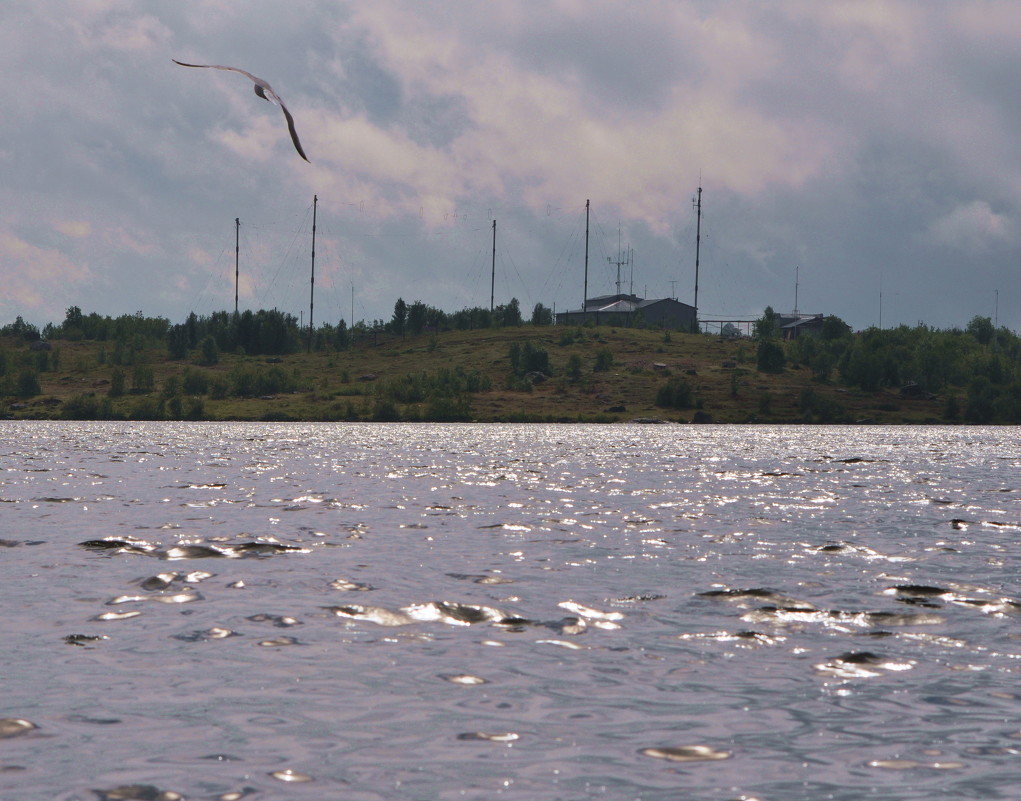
(770, 356)
(676, 393)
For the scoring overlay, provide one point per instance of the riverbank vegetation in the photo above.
(477, 365)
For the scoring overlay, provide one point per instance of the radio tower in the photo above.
(697, 203)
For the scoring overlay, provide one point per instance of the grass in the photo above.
(346, 385)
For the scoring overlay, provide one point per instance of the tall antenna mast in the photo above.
(631, 264)
(620, 261)
(797, 279)
(698, 242)
(584, 298)
(492, 282)
(237, 251)
(312, 285)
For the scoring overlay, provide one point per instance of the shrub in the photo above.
(770, 356)
(604, 360)
(675, 394)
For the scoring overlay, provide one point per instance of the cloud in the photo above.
(37, 278)
(845, 137)
(973, 227)
(76, 229)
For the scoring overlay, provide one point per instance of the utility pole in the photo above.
(237, 251)
(584, 298)
(492, 282)
(698, 242)
(312, 285)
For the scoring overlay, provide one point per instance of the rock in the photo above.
(702, 417)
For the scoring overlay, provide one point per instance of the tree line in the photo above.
(976, 369)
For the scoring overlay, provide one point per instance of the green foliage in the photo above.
(770, 357)
(445, 383)
(676, 393)
(573, 368)
(117, 379)
(400, 318)
(417, 317)
(766, 326)
(541, 315)
(604, 360)
(21, 330)
(255, 381)
(981, 398)
(817, 408)
(88, 407)
(509, 315)
(209, 350)
(195, 382)
(27, 384)
(142, 379)
(981, 328)
(529, 358)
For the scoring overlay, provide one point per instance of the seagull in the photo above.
(263, 90)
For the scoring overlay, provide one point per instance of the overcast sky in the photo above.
(857, 158)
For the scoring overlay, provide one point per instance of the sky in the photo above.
(861, 159)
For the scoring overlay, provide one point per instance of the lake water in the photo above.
(263, 611)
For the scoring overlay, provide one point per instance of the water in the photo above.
(367, 612)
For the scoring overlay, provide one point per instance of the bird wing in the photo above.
(266, 93)
(294, 133)
(257, 81)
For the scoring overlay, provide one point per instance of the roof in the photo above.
(624, 304)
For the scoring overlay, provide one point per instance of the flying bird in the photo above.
(263, 90)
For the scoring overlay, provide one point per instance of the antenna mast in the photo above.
(797, 279)
(312, 285)
(631, 264)
(698, 242)
(492, 283)
(620, 261)
(584, 298)
(237, 250)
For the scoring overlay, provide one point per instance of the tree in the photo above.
(509, 315)
(834, 328)
(541, 315)
(981, 328)
(417, 316)
(766, 326)
(210, 351)
(341, 336)
(400, 318)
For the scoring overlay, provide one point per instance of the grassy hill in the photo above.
(588, 375)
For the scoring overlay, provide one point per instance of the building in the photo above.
(627, 311)
(795, 324)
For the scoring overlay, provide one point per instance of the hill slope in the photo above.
(502, 374)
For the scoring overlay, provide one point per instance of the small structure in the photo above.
(629, 311)
(795, 325)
